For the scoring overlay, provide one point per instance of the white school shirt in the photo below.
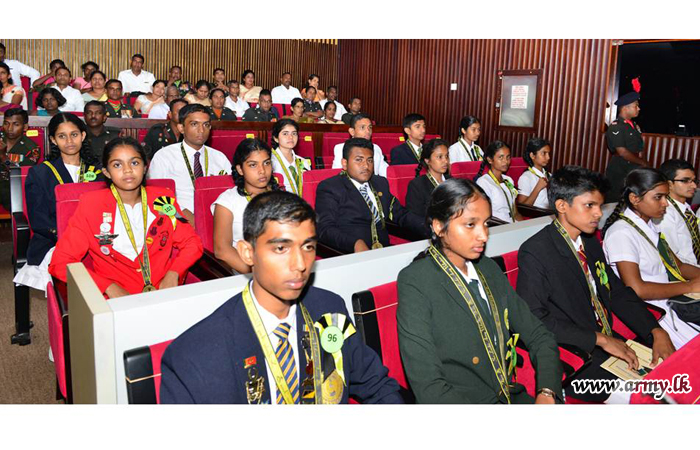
(74, 99)
(271, 322)
(369, 194)
(73, 171)
(236, 203)
(497, 193)
(143, 82)
(17, 70)
(289, 184)
(526, 184)
(624, 243)
(168, 163)
(339, 108)
(380, 165)
(472, 276)
(459, 154)
(282, 95)
(239, 107)
(122, 244)
(673, 226)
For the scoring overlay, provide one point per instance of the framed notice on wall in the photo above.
(519, 99)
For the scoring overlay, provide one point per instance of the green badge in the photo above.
(332, 339)
(168, 210)
(89, 176)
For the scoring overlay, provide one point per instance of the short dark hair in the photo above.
(211, 94)
(160, 81)
(286, 73)
(57, 61)
(356, 142)
(332, 86)
(571, 181)
(201, 83)
(17, 112)
(118, 142)
(412, 118)
(113, 80)
(329, 104)
(245, 73)
(60, 99)
(218, 69)
(191, 109)
(66, 69)
(89, 63)
(352, 99)
(230, 82)
(100, 105)
(175, 66)
(672, 166)
(534, 145)
(177, 100)
(138, 55)
(265, 92)
(309, 87)
(312, 76)
(280, 206)
(357, 117)
(98, 72)
(296, 100)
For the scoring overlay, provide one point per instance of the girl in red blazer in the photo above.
(109, 226)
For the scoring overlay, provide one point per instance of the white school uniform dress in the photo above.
(143, 82)
(500, 207)
(74, 99)
(239, 107)
(38, 277)
(236, 203)
(526, 184)
(278, 159)
(624, 243)
(676, 232)
(460, 151)
(380, 165)
(284, 95)
(169, 163)
(339, 108)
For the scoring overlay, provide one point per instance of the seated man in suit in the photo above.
(262, 346)
(361, 127)
(414, 132)
(566, 282)
(353, 206)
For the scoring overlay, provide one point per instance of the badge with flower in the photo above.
(602, 274)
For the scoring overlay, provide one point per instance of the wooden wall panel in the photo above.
(395, 77)
(198, 57)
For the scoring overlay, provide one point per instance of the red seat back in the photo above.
(226, 141)
(330, 140)
(56, 315)
(305, 145)
(510, 260)
(26, 85)
(207, 190)
(399, 177)
(142, 367)
(142, 134)
(37, 136)
(280, 109)
(311, 180)
(466, 169)
(517, 167)
(387, 141)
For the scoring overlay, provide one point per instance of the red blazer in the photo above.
(79, 240)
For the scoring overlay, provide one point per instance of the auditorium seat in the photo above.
(57, 313)
(311, 179)
(466, 169)
(305, 145)
(330, 140)
(142, 373)
(399, 177)
(37, 135)
(21, 234)
(226, 141)
(517, 167)
(323, 162)
(387, 141)
(281, 110)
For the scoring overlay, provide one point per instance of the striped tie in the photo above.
(285, 356)
(370, 203)
(586, 271)
(197, 166)
(692, 223)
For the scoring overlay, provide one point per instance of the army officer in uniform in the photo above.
(624, 139)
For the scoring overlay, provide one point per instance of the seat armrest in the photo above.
(395, 229)
(20, 235)
(208, 267)
(533, 211)
(325, 251)
(495, 221)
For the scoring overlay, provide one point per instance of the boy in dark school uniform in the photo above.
(414, 132)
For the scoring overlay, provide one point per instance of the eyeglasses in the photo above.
(687, 180)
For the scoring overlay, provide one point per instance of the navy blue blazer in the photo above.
(402, 154)
(343, 215)
(39, 188)
(206, 364)
(420, 189)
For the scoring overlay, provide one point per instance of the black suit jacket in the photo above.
(206, 364)
(551, 281)
(343, 215)
(420, 190)
(402, 154)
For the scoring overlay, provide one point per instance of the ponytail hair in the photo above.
(427, 152)
(465, 123)
(490, 152)
(243, 151)
(86, 154)
(637, 182)
(534, 145)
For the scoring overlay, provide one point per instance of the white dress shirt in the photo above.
(282, 95)
(380, 164)
(676, 232)
(624, 243)
(239, 106)
(526, 184)
(17, 70)
(339, 108)
(143, 82)
(497, 193)
(122, 244)
(168, 163)
(236, 203)
(459, 154)
(271, 322)
(470, 276)
(74, 99)
(370, 194)
(277, 156)
(73, 171)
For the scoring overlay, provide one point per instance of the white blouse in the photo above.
(459, 154)
(500, 207)
(236, 203)
(278, 159)
(526, 184)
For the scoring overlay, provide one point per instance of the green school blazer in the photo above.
(443, 354)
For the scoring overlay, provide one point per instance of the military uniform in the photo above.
(97, 143)
(159, 135)
(622, 133)
(258, 115)
(125, 112)
(24, 153)
(347, 118)
(312, 106)
(226, 114)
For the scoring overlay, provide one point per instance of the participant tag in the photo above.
(332, 339)
(168, 210)
(90, 176)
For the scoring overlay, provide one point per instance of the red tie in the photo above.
(584, 261)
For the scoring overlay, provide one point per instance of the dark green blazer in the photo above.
(443, 355)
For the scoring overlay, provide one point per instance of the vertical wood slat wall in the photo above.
(395, 77)
(198, 57)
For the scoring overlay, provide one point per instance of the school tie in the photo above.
(295, 174)
(474, 289)
(285, 356)
(197, 166)
(365, 194)
(584, 261)
(692, 223)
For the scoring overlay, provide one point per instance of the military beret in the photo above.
(628, 98)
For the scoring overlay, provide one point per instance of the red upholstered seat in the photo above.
(330, 140)
(37, 136)
(511, 262)
(207, 190)
(57, 315)
(323, 162)
(226, 141)
(142, 371)
(26, 85)
(517, 167)
(399, 177)
(280, 109)
(387, 141)
(305, 145)
(311, 180)
(142, 134)
(466, 169)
